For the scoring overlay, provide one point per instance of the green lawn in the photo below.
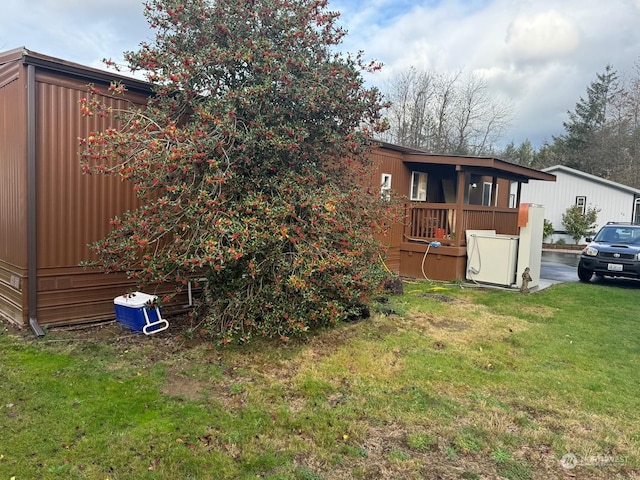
(457, 383)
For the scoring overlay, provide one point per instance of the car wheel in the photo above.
(584, 274)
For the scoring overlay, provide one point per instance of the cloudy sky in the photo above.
(539, 54)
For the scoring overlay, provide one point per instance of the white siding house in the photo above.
(616, 202)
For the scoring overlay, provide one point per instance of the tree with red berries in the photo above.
(248, 160)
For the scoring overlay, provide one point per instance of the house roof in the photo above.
(29, 57)
(593, 178)
(489, 166)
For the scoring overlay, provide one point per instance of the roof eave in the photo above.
(492, 166)
(28, 57)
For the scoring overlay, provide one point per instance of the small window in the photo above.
(385, 186)
(419, 186)
(636, 211)
(512, 200)
(581, 203)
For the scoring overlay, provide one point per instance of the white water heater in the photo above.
(502, 259)
(491, 258)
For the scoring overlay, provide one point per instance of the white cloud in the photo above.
(540, 37)
(541, 54)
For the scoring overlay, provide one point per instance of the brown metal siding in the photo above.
(386, 161)
(73, 209)
(13, 179)
(13, 185)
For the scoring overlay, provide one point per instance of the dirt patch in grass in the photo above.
(463, 323)
(115, 333)
(439, 297)
(540, 312)
(448, 324)
(183, 386)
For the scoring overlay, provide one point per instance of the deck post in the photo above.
(462, 186)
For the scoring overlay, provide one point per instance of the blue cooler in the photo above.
(134, 311)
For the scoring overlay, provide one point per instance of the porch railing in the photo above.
(438, 221)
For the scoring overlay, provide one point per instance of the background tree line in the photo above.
(458, 114)
(445, 113)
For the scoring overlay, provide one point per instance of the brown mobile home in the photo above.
(49, 211)
(446, 195)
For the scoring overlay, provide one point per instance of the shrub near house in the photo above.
(253, 199)
(578, 224)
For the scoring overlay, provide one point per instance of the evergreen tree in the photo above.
(248, 161)
(584, 146)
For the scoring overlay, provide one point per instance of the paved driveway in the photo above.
(559, 266)
(562, 267)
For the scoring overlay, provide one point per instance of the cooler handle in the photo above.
(160, 321)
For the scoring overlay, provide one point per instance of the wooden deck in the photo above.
(447, 223)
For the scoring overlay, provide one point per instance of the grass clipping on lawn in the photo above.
(457, 383)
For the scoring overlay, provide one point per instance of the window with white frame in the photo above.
(636, 211)
(486, 193)
(512, 200)
(487, 187)
(385, 186)
(581, 203)
(419, 186)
